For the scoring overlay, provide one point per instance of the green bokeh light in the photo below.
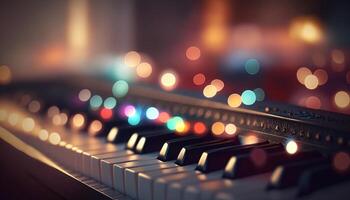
(252, 66)
(110, 103)
(120, 88)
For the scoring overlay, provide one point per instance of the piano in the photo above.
(60, 135)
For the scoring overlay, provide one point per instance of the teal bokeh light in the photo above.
(152, 113)
(252, 66)
(260, 94)
(120, 88)
(110, 103)
(95, 101)
(248, 97)
(172, 122)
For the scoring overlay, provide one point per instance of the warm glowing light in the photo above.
(338, 56)
(5, 75)
(129, 110)
(342, 99)
(78, 121)
(302, 73)
(144, 70)
(152, 113)
(199, 79)
(291, 147)
(322, 76)
(218, 128)
(248, 97)
(13, 119)
(95, 102)
(174, 122)
(341, 162)
(28, 124)
(3, 115)
(112, 134)
(209, 91)
(34, 106)
(52, 111)
(313, 102)
(199, 128)
(230, 129)
(43, 135)
(250, 139)
(306, 29)
(120, 88)
(180, 127)
(234, 100)
(78, 28)
(252, 66)
(84, 95)
(193, 53)
(106, 113)
(110, 102)
(54, 138)
(219, 84)
(311, 82)
(168, 80)
(163, 117)
(95, 127)
(132, 59)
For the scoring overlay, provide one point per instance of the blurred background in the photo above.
(239, 51)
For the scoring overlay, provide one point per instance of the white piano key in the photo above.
(146, 179)
(106, 168)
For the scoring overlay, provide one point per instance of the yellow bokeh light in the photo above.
(230, 129)
(219, 84)
(306, 29)
(311, 82)
(28, 124)
(218, 128)
(168, 80)
(193, 53)
(3, 115)
(5, 75)
(234, 100)
(95, 127)
(292, 147)
(144, 70)
(52, 111)
(209, 91)
(302, 73)
(13, 119)
(132, 59)
(78, 121)
(54, 138)
(342, 99)
(338, 56)
(43, 135)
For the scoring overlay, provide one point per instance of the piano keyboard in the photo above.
(148, 161)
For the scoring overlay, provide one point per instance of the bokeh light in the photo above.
(193, 53)
(129, 110)
(291, 147)
(28, 124)
(322, 76)
(341, 162)
(260, 94)
(252, 66)
(54, 138)
(13, 119)
(144, 70)
(95, 127)
(110, 102)
(209, 91)
(95, 102)
(106, 113)
(120, 88)
(337, 56)
(313, 102)
(163, 117)
(234, 100)
(199, 79)
(218, 128)
(34, 106)
(302, 73)
(132, 59)
(199, 128)
(342, 99)
(306, 29)
(52, 111)
(311, 82)
(152, 113)
(248, 97)
(84, 95)
(3, 115)
(78, 121)
(173, 122)
(168, 80)
(230, 129)
(43, 134)
(134, 119)
(219, 84)
(5, 75)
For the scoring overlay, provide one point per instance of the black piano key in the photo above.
(287, 175)
(123, 133)
(247, 165)
(319, 177)
(153, 142)
(170, 149)
(135, 138)
(217, 158)
(191, 154)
